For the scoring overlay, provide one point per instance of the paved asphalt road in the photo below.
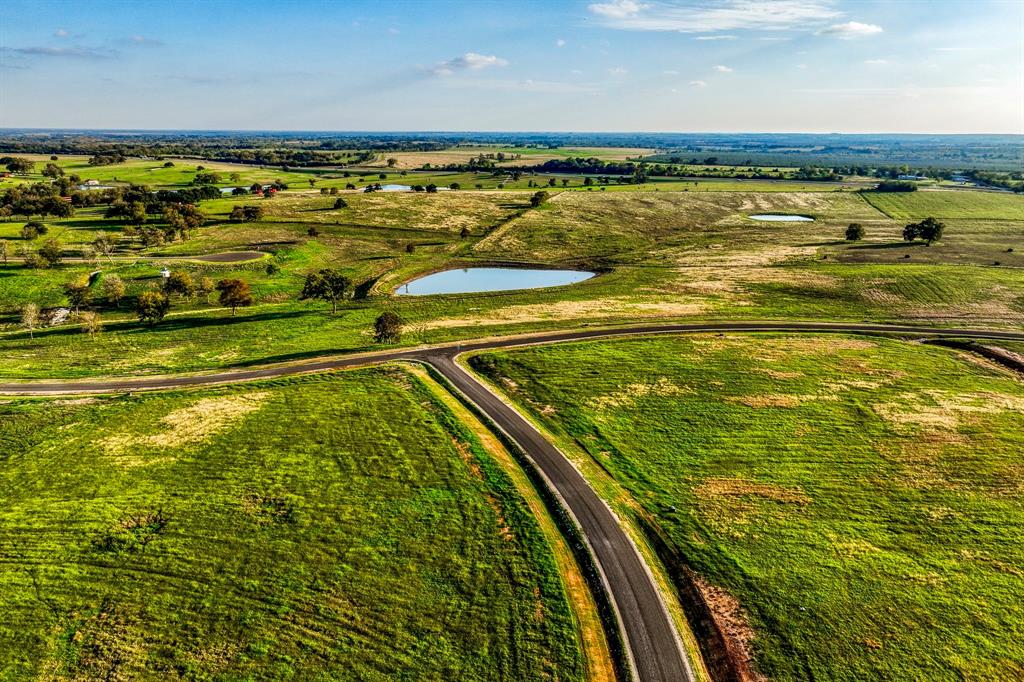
(653, 646)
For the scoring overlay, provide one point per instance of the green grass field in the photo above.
(661, 255)
(948, 204)
(341, 527)
(854, 505)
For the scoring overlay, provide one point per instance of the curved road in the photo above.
(653, 647)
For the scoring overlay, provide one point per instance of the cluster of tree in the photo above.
(16, 164)
(929, 230)
(246, 214)
(539, 198)
(106, 159)
(895, 186)
(1013, 181)
(41, 199)
(153, 304)
(206, 179)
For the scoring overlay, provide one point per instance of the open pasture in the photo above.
(344, 526)
(852, 505)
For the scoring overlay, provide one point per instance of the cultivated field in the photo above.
(342, 526)
(851, 506)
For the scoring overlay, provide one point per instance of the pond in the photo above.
(477, 280)
(782, 218)
(395, 188)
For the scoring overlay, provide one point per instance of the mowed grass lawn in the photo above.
(339, 527)
(860, 499)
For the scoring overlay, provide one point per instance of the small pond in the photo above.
(476, 280)
(782, 218)
(395, 188)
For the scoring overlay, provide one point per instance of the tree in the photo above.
(179, 282)
(20, 166)
(33, 230)
(234, 293)
(51, 252)
(538, 198)
(327, 285)
(455, 186)
(5, 250)
(91, 322)
(77, 292)
(340, 203)
(113, 289)
(246, 214)
(104, 244)
(52, 170)
(206, 287)
(387, 328)
(392, 162)
(854, 232)
(313, 231)
(431, 188)
(464, 233)
(931, 230)
(182, 218)
(30, 318)
(236, 177)
(152, 306)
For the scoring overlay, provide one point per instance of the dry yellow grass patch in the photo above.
(776, 374)
(727, 504)
(776, 400)
(629, 394)
(936, 409)
(196, 423)
(569, 310)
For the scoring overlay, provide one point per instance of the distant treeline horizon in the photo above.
(952, 151)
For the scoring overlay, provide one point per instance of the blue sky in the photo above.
(940, 66)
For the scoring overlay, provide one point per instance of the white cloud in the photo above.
(393, 31)
(721, 68)
(617, 9)
(617, 71)
(143, 40)
(698, 84)
(470, 61)
(528, 85)
(851, 29)
(74, 52)
(670, 72)
(559, 43)
(726, 15)
(876, 62)
(802, 67)
(61, 33)
(722, 37)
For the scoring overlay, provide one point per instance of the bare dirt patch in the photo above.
(734, 624)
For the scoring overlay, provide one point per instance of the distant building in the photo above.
(912, 177)
(165, 273)
(90, 183)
